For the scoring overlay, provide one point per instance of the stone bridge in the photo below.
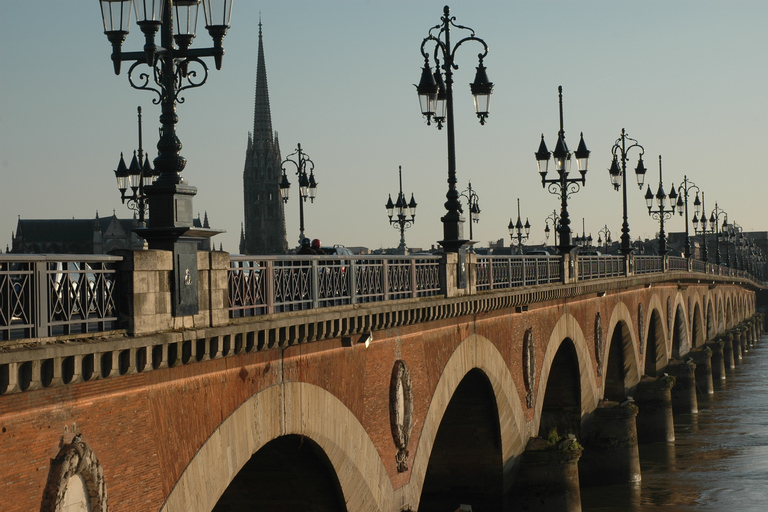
(390, 402)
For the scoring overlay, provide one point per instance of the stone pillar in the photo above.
(684, 391)
(611, 455)
(717, 360)
(703, 358)
(737, 353)
(548, 477)
(654, 421)
(729, 361)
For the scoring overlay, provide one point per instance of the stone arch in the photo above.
(465, 465)
(656, 355)
(568, 328)
(75, 481)
(475, 352)
(698, 327)
(720, 315)
(728, 313)
(711, 320)
(680, 337)
(291, 408)
(622, 370)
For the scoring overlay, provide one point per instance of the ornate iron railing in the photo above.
(596, 267)
(57, 294)
(648, 264)
(698, 266)
(272, 284)
(498, 272)
(676, 263)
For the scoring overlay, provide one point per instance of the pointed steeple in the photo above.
(262, 118)
(205, 220)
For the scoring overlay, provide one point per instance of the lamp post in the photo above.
(562, 185)
(684, 191)
(401, 208)
(435, 91)
(554, 217)
(604, 235)
(584, 240)
(703, 222)
(620, 151)
(305, 171)
(173, 68)
(517, 229)
(714, 227)
(474, 207)
(136, 177)
(662, 213)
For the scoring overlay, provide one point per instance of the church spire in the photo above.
(262, 117)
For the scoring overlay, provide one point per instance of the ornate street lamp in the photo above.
(554, 218)
(703, 222)
(619, 179)
(518, 231)
(136, 177)
(604, 235)
(474, 207)
(661, 213)
(584, 240)
(398, 213)
(305, 171)
(714, 227)
(684, 191)
(562, 185)
(435, 92)
(169, 197)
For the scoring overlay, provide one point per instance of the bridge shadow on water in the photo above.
(719, 460)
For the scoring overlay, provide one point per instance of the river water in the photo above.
(719, 460)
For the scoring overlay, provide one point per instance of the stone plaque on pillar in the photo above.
(184, 295)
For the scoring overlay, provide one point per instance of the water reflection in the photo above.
(719, 460)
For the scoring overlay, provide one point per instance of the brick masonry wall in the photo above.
(145, 428)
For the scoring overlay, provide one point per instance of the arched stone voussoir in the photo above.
(621, 314)
(292, 408)
(474, 352)
(568, 327)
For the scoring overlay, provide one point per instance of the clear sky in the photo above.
(687, 78)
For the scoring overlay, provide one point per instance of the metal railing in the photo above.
(56, 294)
(261, 285)
(597, 267)
(648, 264)
(677, 264)
(498, 272)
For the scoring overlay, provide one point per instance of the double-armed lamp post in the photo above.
(435, 91)
(171, 67)
(684, 190)
(604, 236)
(703, 223)
(305, 172)
(563, 185)
(662, 213)
(554, 218)
(714, 227)
(398, 213)
(473, 205)
(136, 178)
(619, 179)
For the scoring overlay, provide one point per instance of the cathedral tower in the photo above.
(263, 231)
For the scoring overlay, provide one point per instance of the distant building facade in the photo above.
(263, 230)
(83, 236)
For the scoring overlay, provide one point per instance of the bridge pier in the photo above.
(738, 355)
(548, 477)
(717, 361)
(684, 391)
(729, 360)
(611, 455)
(703, 358)
(655, 421)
